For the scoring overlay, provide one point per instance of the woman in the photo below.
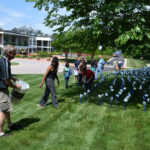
(67, 73)
(49, 77)
(88, 78)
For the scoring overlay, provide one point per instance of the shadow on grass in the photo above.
(136, 96)
(23, 123)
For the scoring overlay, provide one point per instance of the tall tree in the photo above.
(121, 23)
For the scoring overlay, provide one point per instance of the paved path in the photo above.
(33, 66)
(27, 66)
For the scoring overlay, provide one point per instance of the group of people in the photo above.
(85, 75)
(82, 75)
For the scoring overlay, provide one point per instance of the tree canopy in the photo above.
(120, 24)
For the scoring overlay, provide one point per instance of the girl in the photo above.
(67, 73)
(49, 77)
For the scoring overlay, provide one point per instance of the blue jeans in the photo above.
(88, 85)
(79, 79)
(66, 82)
(99, 69)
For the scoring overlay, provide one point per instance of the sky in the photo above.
(17, 13)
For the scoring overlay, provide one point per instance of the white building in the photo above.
(30, 43)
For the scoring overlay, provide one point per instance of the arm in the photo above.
(83, 79)
(57, 79)
(11, 84)
(64, 71)
(43, 79)
(14, 79)
(90, 78)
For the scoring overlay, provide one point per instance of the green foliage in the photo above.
(136, 63)
(14, 63)
(117, 23)
(43, 54)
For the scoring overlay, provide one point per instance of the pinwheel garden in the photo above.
(123, 87)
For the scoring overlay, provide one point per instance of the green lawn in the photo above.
(14, 63)
(75, 126)
(136, 63)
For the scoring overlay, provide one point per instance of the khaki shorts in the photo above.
(5, 102)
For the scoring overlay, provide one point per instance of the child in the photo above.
(67, 73)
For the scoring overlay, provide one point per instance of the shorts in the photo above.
(5, 102)
(75, 72)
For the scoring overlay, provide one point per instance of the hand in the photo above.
(15, 79)
(41, 85)
(18, 86)
(58, 83)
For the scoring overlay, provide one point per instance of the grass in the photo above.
(75, 126)
(136, 63)
(14, 63)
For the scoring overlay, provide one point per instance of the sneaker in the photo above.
(2, 134)
(38, 105)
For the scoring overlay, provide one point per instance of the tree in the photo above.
(118, 23)
(27, 30)
(62, 42)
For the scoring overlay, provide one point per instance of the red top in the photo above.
(88, 73)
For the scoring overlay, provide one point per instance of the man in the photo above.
(9, 53)
(100, 67)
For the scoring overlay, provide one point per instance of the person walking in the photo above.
(67, 73)
(100, 67)
(6, 80)
(49, 77)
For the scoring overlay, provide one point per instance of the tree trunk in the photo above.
(92, 56)
(66, 56)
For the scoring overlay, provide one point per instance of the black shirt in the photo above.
(52, 74)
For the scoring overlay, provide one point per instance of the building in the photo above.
(29, 43)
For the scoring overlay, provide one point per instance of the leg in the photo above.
(2, 119)
(79, 79)
(90, 84)
(96, 73)
(51, 87)
(66, 82)
(7, 114)
(86, 85)
(100, 73)
(45, 96)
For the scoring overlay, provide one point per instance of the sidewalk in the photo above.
(34, 66)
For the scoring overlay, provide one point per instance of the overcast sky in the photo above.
(17, 13)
